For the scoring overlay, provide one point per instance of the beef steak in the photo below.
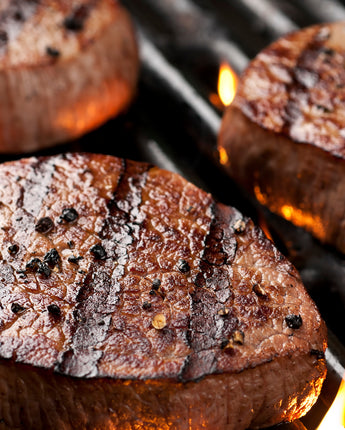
(284, 134)
(66, 66)
(129, 297)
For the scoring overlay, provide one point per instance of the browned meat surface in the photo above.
(66, 66)
(285, 132)
(129, 297)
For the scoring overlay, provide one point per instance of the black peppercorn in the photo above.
(52, 52)
(36, 265)
(13, 249)
(156, 283)
(98, 252)
(69, 215)
(18, 16)
(73, 23)
(54, 310)
(16, 308)
(44, 225)
(147, 306)
(52, 258)
(33, 264)
(183, 266)
(293, 321)
(44, 269)
(73, 259)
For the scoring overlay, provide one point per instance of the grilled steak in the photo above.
(66, 66)
(285, 132)
(129, 297)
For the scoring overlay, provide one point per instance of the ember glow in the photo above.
(335, 417)
(227, 84)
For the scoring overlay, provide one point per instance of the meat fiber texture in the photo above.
(131, 299)
(66, 67)
(285, 132)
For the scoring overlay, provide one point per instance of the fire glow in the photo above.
(335, 417)
(227, 84)
(295, 215)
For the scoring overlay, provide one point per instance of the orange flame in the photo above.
(335, 417)
(227, 84)
(223, 156)
(264, 226)
(297, 216)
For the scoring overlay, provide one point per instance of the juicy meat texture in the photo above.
(284, 134)
(66, 67)
(129, 297)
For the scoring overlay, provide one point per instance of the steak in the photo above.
(131, 298)
(66, 67)
(284, 134)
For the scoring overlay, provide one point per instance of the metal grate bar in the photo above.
(154, 60)
(330, 10)
(157, 156)
(230, 53)
(267, 14)
(193, 26)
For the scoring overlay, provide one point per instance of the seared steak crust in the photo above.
(284, 132)
(66, 67)
(142, 286)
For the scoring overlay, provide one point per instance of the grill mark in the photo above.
(100, 292)
(75, 21)
(212, 291)
(302, 78)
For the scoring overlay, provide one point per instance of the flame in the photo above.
(303, 219)
(260, 196)
(264, 226)
(227, 84)
(223, 156)
(335, 417)
(297, 216)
